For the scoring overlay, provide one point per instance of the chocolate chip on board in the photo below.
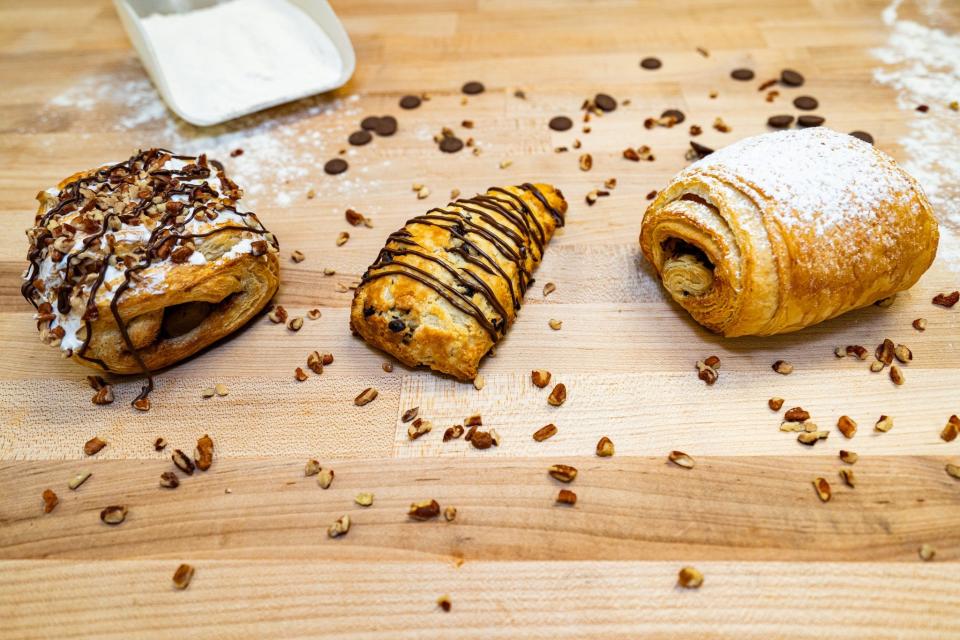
(386, 126)
(810, 121)
(862, 135)
(369, 123)
(605, 102)
(742, 74)
(451, 144)
(676, 114)
(779, 122)
(560, 123)
(335, 166)
(702, 151)
(805, 103)
(473, 88)
(791, 78)
(651, 63)
(409, 102)
(359, 138)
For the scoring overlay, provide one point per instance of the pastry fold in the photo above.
(137, 265)
(448, 285)
(784, 230)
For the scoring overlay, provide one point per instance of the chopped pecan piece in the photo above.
(681, 459)
(689, 578)
(822, 488)
(775, 403)
(182, 576)
(848, 456)
(848, 477)
(946, 299)
(424, 510)
(605, 447)
(182, 462)
(203, 454)
(418, 428)
(796, 414)
(452, 433)
(782, 367)
(540, 377)
(558, 396)
(566, 497)
(340, 527)
(884, 352)
(113, 515)
(545, 432)
(325, 478)
(409, 414)
(896, 375)
(169, 480)
(563, 472)
(50, 500)
(847, 426)
(312, 468)
(951, 429)
(366, 397)
(93, 446)
(884, 424)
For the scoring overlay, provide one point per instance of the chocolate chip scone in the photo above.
(137, 265)
(448, 285)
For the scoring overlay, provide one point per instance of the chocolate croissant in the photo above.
(448, 285)
(137, 265)
(784, 230)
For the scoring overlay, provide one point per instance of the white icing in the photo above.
(243, 246)
(197, 258)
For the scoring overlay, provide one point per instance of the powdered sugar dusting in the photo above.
(922, 63)
(830, 176)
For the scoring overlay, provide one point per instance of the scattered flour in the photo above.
(283, 149)
(922, 63)
(240, 56)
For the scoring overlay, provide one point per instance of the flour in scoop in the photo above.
(239, 56)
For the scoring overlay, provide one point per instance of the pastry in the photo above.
(784, 230)
(448, 285)
(137, 265)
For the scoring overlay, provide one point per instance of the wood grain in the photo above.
(777, 561)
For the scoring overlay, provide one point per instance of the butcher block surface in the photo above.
(776, 560)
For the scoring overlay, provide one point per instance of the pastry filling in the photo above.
(181, 319)
(686, 270)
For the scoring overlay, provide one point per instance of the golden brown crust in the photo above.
(781, 231)
(154, 248)
(448, 285)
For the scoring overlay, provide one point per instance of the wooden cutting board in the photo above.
(777, 562)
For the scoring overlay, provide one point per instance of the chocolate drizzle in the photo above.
(502, 219)
(97, 222)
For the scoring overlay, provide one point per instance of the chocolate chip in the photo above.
(451, 144)
(368, 311)
(805, 103)
(651, 63)
(369, 123)
(779, 122)
(791, 78)
(862, 135)
(810, 121)
(473, 88)
(605, 102)
(675, 114)
(335, 166)
(701, 150)
(397, 325)
(742, 74)
(359, 138)
(386, 126)
(923, 108)
(560, 123)
(409, 102)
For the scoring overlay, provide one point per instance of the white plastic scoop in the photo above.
(213, 61)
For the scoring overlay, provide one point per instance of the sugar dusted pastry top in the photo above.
(107, 241)
(783, 230)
